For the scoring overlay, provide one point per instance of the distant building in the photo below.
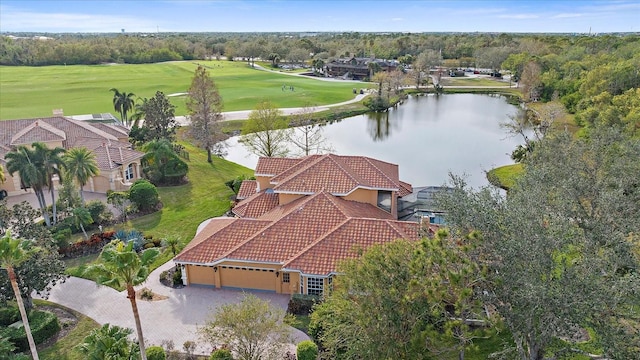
(357, 68)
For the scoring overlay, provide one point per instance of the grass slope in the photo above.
(27, 92)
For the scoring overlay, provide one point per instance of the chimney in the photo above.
(58, 112)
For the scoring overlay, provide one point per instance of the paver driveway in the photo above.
(175, 318)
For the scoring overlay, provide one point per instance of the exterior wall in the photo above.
(263, 182)
(293, 286)
(12, 184)
(201, 275)
(364, 196)
(243, 275)
(99, 184)
(287, 198)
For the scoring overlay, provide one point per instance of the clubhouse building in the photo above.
(296, 222)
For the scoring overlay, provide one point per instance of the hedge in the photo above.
(307, 350)
(43, 326)
(9, 315)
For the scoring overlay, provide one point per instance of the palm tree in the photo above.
(82, 217)
(108, 342)
(121, 265)
(31, 170)
(138, 111)
(123, 103)
(51, 165)
(13, 253)
(81, 165)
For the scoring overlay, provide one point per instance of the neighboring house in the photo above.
(296, 222)
(119, 164)
(357, 68)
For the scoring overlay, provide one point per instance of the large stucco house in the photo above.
(119, 164)
(295, 222)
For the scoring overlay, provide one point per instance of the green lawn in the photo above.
(63, 348)
(27, 92)
(460, 81)
(184, 206)
(504, 176)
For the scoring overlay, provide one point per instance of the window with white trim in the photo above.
(128, 172)
(286, 278)
(315, 285)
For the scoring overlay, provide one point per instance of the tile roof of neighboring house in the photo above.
(97, 137)
(247, 188)
(37, 131)
(110, 157)
(112, 129)
(336, 174)
(347, 240)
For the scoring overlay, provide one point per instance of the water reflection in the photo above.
(427, 136)
(379, 125)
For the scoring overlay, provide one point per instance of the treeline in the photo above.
(594, 77)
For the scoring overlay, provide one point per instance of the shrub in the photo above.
(302, 304)
(99, 212)
(144, 195)
(9, 315)
(221, 354)
(156, 353)
(307, 350)
(43, 326)
(177, 276)
(146, 294)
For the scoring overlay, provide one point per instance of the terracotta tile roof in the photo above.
(72, 129)
(111, 157)
(256, 205)
(301, 224)
(217, 238)
(337, 175)
(37, 131)
(247, 188)
(314, 232)
(405, 189)
(118, 131)
(273, 166)
(347, 240)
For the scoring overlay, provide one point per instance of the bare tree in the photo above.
(530, 81)
(205, 105)
(307, 136)
(423, 63)
(265, 133)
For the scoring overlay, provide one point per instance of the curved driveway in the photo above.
(176, 318)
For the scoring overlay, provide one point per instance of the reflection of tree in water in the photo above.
(379, 125)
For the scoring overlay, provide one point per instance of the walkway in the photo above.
(176, 318)
(244, 114)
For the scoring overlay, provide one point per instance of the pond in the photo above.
(427, 136)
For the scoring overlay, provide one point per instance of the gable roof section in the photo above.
(256, 205)
(247, 188)
(272, 166)
(37, 131)
(217, 238)
(58, 125)
(305, 221)
(111, 157)
(346, 241)
(338, 175)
